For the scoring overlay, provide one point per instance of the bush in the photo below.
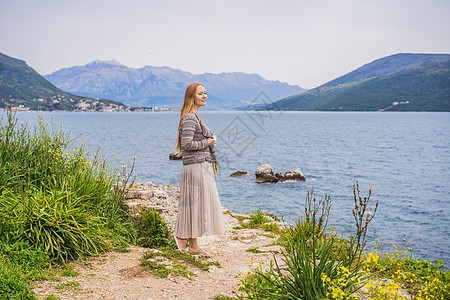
(151, 231)
(59, 224)
(258, 218)
(56, 196)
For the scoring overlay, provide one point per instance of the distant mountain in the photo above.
(164, 86)
(30, 89)
(401, 82)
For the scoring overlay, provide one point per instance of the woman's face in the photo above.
(200, 96)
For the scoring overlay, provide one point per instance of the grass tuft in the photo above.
(165, 261)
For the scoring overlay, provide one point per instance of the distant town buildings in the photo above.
(61, 103)
(394, 104)
(397, 103)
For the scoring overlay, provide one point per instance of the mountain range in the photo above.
(400, 82)
(164, 86)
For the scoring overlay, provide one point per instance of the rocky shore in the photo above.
(117, 275)
(161, 198)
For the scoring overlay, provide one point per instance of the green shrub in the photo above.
(59, 224)
(151, 231)
(273, 227)
(258, 218)
(13, 284)
(23, 255)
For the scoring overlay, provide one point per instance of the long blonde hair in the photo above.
(188, 105)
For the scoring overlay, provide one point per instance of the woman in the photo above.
(199, 209)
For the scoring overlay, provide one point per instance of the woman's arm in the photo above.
(187, 136)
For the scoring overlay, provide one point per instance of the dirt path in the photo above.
(120, 276)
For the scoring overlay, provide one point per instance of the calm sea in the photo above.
(404, 158)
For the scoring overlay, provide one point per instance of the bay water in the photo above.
(404, 158)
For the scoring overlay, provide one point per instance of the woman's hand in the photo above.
(212, 141)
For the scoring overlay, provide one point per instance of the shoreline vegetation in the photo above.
(60, 205)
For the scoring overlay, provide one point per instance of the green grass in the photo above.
(254, 250)
(156, 263)
(13, 283)
(67, 285)
(68, 271)
(257, 220)
(151, 230)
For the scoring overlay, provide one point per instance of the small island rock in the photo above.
(280, 176)
(296, 174)
(265, 174)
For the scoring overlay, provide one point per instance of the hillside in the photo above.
(387, 65)
(31, 90)
(424, 82)
(164, 86)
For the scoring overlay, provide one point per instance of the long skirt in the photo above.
(199, 210)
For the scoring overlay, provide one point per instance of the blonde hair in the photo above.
(188, 105)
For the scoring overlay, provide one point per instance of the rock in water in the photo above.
(296, 174)
(280, 176)
(239, 173)
(265, 174)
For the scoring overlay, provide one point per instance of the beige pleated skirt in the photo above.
(199, 210)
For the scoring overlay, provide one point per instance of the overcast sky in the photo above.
(306, 43)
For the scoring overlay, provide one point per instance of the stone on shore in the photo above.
(162, 198)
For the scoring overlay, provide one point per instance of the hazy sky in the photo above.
(300, 42)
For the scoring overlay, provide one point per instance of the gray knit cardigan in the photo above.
(194, 141)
